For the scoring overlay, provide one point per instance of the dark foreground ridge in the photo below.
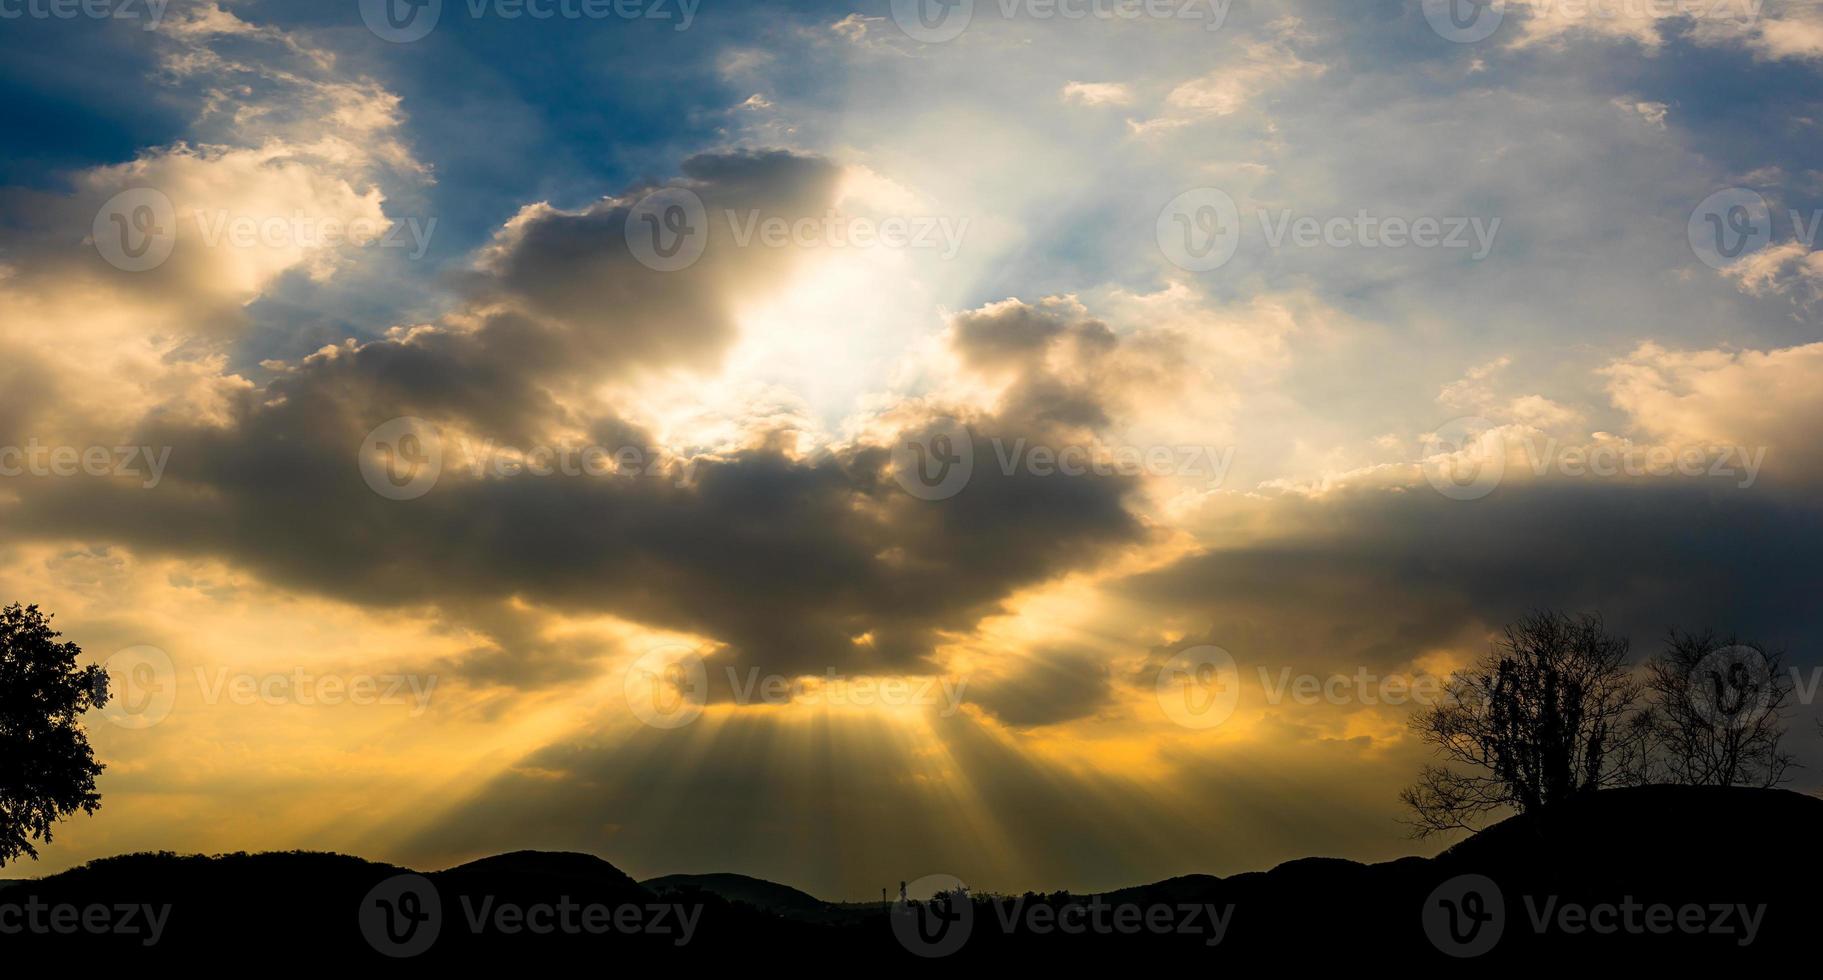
(1654, 874)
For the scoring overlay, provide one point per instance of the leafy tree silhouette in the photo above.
(1547, 715)
(47, 770)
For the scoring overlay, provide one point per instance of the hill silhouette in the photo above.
(552, 864)
(1681, 875)
(757, 892)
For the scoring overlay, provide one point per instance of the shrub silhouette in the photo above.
(1547, 715)
(47, 770)
(1717, 717)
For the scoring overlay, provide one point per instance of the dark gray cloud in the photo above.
(787, 561)
(1374, 578)
(1063, 370)
(1053, 686)
(617, 315)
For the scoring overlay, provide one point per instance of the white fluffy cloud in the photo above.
(1097, 93)
(1770, 398)
(285, 176)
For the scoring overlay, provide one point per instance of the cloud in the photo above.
(1756, 398)
(1051, 686)
(1379, 578)
(1263, 66)
(1770, 31)
(601, 310)
(1786, 268)
(1097, 93)
(1653, 113)
(1473, 390)
(1059, 367)
(1799, 35)
(285, 175)
(786, 561)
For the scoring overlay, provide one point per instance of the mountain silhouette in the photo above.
(1522, 890)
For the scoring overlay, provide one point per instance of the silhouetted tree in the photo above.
(1718, 712)
(47, 770)
(1548, 714)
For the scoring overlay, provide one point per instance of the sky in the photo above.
(1054, 443)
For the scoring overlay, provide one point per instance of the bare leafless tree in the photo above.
(1718, 712)
(1549, 713)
